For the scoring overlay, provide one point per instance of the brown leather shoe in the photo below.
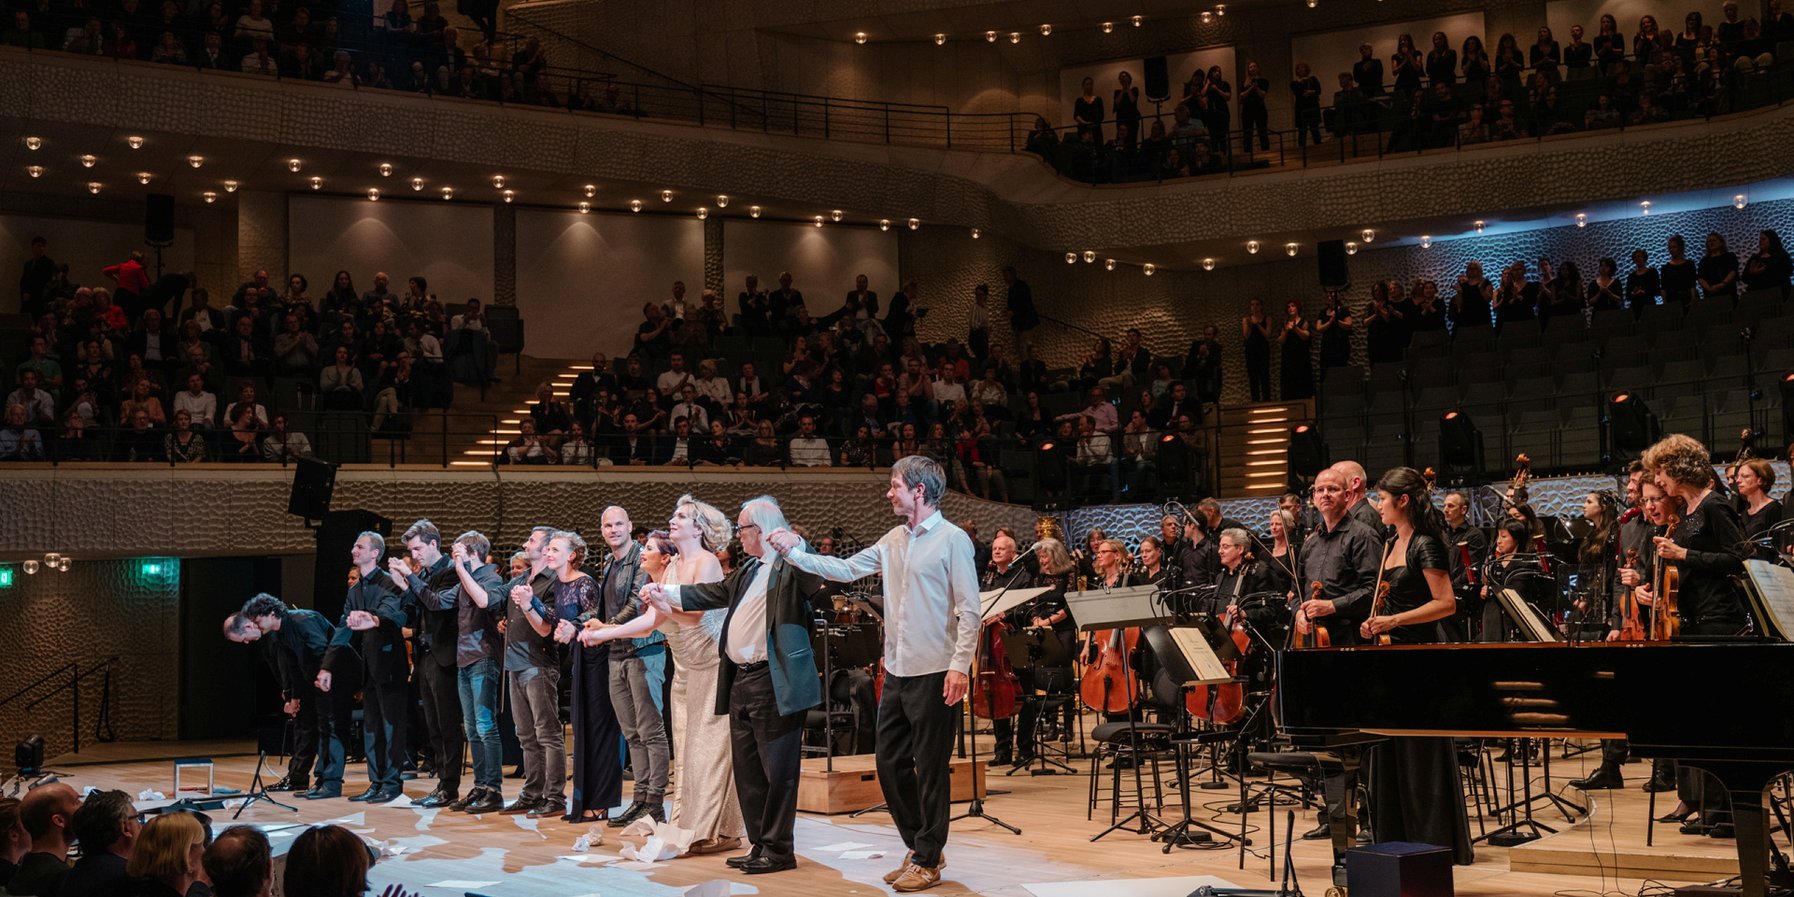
(917, 878)
(892, 876)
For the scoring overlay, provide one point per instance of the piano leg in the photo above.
(1339, 788)
(1746, 783)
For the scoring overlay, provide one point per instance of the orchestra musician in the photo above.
(1358, 504)
(1759, 512)
(1284, 560)
(1656, 508)
(1197, 561)
(1596, 551)
(1632, 529)
(1415, 794)
(1046, 612)
(1506, 568)
(1465, 550)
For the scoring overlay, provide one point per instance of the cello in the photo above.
(1230, 697)
(1106, 686)
(1317, 636)
(995, 690)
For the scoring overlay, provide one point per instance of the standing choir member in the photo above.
(479, 646)
(368, 645)
(637, 668)
(298, 640)
(535, 678)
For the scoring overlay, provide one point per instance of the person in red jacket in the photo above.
(133, 281)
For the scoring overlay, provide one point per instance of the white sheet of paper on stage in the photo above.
(1771, 588)
(1201, 657)
(1011, 599)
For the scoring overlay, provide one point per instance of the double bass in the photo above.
(996, 693)
(1106, 686)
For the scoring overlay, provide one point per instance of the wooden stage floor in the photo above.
(1603, 853)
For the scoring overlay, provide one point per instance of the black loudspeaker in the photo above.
(1158, 78)
(158, 219)
(1332, 256)
(314, 482)
(1399, 869)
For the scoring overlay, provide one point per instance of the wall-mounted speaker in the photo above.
(1158, 79)
(158, 219)
(1334, 275)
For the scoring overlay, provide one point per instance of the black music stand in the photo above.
(857, 646)
(1119, 609)
(1038, 649)
(991, 605)
(259, 790)
(1188, 656)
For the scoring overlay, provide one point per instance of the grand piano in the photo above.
(1724, 708)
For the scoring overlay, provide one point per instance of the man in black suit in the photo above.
(438, 630)
(1022, 315)
(297, 642)
(1175, 402)
(368, 641)
(768, 680)
(636, 446)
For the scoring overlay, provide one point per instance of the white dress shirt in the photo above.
(747, 624)
(930, 588)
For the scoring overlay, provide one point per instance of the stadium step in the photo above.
(1254, 459)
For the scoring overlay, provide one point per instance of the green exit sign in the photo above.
(5, 577)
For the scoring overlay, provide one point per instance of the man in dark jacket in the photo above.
(768, 679)
(437, 637)
(368, 640)
(297, 642)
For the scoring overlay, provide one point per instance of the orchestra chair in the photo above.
(1306, 767)
(1130, 747)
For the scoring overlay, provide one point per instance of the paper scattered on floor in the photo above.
(591, 859)
(861, 854)
(460, 884)
(715, 887)
(151, 794)
(530, 825)
(425, 816)
(593, 837)
(1179, 886)
(843, 846)
(637, 865)
(664, 840)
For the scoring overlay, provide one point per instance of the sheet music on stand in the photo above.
(1205, 667)
(1534, 626)
(1771, 590)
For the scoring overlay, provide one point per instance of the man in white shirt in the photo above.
(931, 629)
(691, 410)
(808, 449)
(1100, 412)
(672, 380)
(196, 401)
(1096, 454)
(948, 391)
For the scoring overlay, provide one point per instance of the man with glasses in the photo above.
(106, 827)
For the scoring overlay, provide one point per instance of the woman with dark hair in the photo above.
(1546, 55)
(1335, 324)
(1125, 109)
(340, 301)
(1297, 357)
(1679, 276)
(1087, 113)
(1441, 61)
(1506, 568)
(1509, 64)
(1415, 793)
(1718, 269)
(1406, 66)
(1042, 139)
(1760, 513)
(326, 861)
(1769, 268)
(1609, 44)
(1605, 292)
(1255, 331)
(1474, 59)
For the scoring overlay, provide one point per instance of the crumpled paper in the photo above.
(592, 838)
(150, 794)
(664, 841)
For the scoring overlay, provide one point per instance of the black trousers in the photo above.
(767, 747)
(385, 729)
(306, 737)
(446, 736)
(1255, 119)
(915, 743)
(332, 719)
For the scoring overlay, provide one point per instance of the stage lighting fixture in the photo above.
(1632, 425)
(1050, 467)
(1460, 443)
(1174, 465)
(28, 756)
(1307, 454)
(1788, 408)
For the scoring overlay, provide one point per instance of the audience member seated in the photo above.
(807, 448)
(14, 843)
(284, 446)
(327, 861)
(47, 813)
(239, 863)
(181, 444)
(341, 383)
(527, 447)
(201, 406)
(19, 441)
(107, 828)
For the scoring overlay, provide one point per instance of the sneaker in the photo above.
(901, 870)
(917, 878)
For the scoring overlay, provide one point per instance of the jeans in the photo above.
(632, 697)
(477, 684)
(536, 707)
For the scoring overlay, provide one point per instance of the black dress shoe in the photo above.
(368, 794)
(289, 783)
(742, 861)
(631, 814)
(489, 801)
(443, 796)
(1022, 760)
(1660, 783)
(548, 807)
(385, 796)
(1602, 777)
(519, 807)
(1320, 832)
(1722, 830)
(767, 864)
(1695, 828)
(1002, 757)
(657, 812)
(460, 804)
(321, 792)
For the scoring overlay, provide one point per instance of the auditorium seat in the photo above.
(1732, 412)
(1485, 392)
(1610, 323)
(1579, 445)
(1519, 336)
(1621, 351)
(1759, 305)
(1436, 399)
(1679, 377)
(1658, 318)
(1537, 392)
(1577, 386)
(1724, 369)
(1386, 446)
(1709, 311)
(1527, 361)
(1565, 328)
(1638, 378)
(1776, 362)
(1680, 413)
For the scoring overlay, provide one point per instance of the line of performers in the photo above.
(736, 636)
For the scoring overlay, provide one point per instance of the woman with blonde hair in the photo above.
(165, 859)
(705, 800)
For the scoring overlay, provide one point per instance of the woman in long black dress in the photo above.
(1414, 787)
(1255, 330)
(597, 761)
(1297, 362)
(1760, 513)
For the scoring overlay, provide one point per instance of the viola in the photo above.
(1317, 636)
(1106, 687)
(1665, 621)
(1632, 627)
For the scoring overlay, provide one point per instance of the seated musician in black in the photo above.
(1707, 549)
(1507, 568)
(1054, 569)
(1415, 794)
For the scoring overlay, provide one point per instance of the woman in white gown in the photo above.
(704, 799)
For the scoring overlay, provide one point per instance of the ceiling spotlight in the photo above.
(134, 142)
(666, 196)
(230, 186)
(386, 169)
(143, 177)
(1015, 37)
(939, 39)
(417, 185)
(36, 143)
(859, 37)
(30, 567)
(93, 186)
(703, 213)
(1208, 264)
(1208, 18)
(1089, 257)
(1071, 258)
(1139, 20)
(835, 215)
(1252, 246)
(1108, 264)
(976, 233)
(210, 197)
(1479, 224)
(1290, 249)
(1046, 30)
(722, 201)
(87, 161)
(1108, 27)
(1426, 241)
(1149, 269)
(989, 37)
(373, 194)
(510, 195)
(1740, 201)
(635, 205)
(1311, 4)
(1644, 208)
(36, 171)
(818, 220)
(1351, 247)
(1581, 220)
(1368, 234)
(590, 190)
(196, 160)
(884, 224)
(915, 223)
(317, 183)
(448, 193)
(754, 211)
(1220, 9)
(585, 208)
(293, 165)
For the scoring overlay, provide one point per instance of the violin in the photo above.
(1106, 687)
(996, 692)
(1317, 635)
(1665, 621)
(1632, 628)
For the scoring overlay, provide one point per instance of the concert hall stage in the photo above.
(534, 858)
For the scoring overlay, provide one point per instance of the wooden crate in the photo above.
(854, 783)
